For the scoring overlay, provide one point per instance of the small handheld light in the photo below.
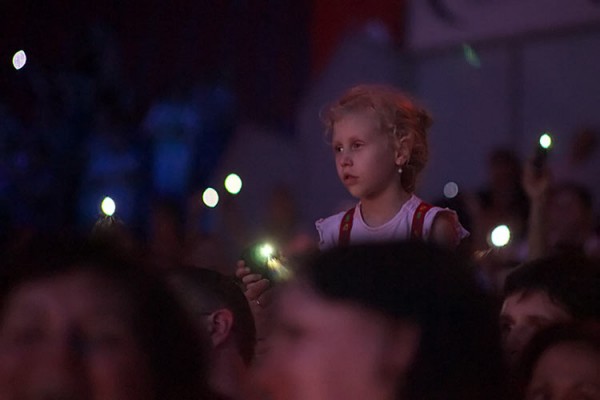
(210, 197)
(107, 226)
(264, 259)
(500, 236)
(541, 152)
(267, 251)
(19, 59)
(108, 206)
(233, 183)
(546, 141)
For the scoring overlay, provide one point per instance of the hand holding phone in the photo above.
(263, 258)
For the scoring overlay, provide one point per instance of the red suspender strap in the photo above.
(416, 231)
(346, 227)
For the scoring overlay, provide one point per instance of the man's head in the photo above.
(570, 217)
(367, 321)
(545, 292)
(218, 304)
(83, 320)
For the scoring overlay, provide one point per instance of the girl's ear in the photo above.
(404, 146)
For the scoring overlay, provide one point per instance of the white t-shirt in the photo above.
(397, 228)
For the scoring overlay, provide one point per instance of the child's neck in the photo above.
(379, 210)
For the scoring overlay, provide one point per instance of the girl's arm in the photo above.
(443, 230)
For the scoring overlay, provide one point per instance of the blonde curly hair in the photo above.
(396, 114)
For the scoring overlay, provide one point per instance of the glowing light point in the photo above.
(500, 236)
(546, 141)
(266, 250)
(108, 206)
(210, 197)
(19, 59)
(450, 190)
(471, 56)
(233, 183)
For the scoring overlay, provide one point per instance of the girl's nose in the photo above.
(346, 160)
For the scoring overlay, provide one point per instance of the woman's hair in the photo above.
(176, 354)
(396, 115)
(459, 354)
(586, 334)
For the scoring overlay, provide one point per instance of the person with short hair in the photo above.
(384, 321)
(562, 363)
(545, 292)
(220, 309)
(81, 320)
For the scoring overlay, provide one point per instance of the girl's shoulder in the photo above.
(329, 229)
(427, 216)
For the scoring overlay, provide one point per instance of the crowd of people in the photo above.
(395, 298)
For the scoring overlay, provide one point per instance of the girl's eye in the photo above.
(337, 149)
(356, 146)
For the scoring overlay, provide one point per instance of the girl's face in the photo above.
(366, 161)
(328, 350)
(566, 371)
(70, 337)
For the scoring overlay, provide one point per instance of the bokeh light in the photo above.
(471, 56)
(279, 271)
(267, 250)
(108, 206)
(546, 141)
(210, 197)
(19, 59)
(500, 236)
(450, 190)
(233, 183)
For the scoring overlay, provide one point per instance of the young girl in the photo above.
(379, 138)
(380, 145)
